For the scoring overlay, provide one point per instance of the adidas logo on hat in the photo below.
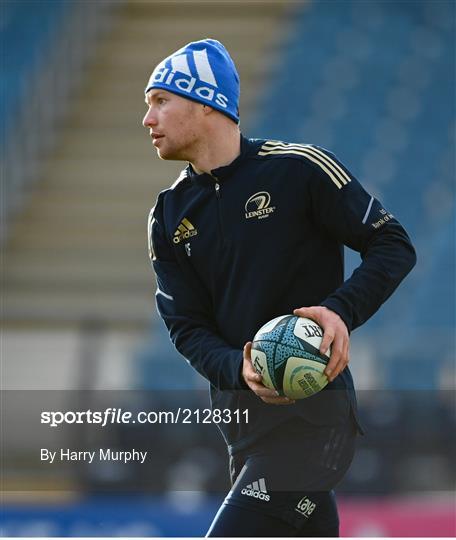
(191, 84)
(257, 490)
(202, 71)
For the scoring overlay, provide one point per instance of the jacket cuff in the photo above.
(241, 382)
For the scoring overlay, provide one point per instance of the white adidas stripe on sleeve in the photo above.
(167, 296)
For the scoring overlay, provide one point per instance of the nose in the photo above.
(149, 119)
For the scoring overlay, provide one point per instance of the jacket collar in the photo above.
(220, 173)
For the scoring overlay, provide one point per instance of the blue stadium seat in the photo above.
(28, 28)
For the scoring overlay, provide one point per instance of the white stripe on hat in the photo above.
(203, 67)
(262, 485)
(255, 486)
(180, 63)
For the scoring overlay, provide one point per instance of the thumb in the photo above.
(305, 312)
(248, 364)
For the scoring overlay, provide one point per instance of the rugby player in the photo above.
(253, 229)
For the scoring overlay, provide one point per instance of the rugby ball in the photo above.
(285, 352)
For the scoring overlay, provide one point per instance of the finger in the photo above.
(250, 374)
(336, 354)
(346, 353)
(252, 378)
(248, 350)
(343, 361)
(263, 391)
(328, 338)
(248, 369)
(308, 312)
(335, 372)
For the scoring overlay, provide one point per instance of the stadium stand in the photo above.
(37, 80)
(27, 32)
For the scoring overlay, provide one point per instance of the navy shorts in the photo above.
(291, 472)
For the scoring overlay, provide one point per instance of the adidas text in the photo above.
(166, 76)
(256, 494)
(184, 236)
(257, 490)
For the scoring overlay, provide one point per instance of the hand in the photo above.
(253, 381)
(335, 334)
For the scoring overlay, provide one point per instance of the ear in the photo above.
(207, 109)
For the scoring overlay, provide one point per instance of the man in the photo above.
(224, 269)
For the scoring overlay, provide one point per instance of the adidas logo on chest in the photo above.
(184, 231)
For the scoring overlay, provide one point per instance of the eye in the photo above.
(161, 101)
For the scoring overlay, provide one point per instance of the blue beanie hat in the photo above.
(202, 71)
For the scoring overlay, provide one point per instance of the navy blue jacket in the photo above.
(256, 239)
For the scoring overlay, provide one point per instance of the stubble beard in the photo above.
(174, 153)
